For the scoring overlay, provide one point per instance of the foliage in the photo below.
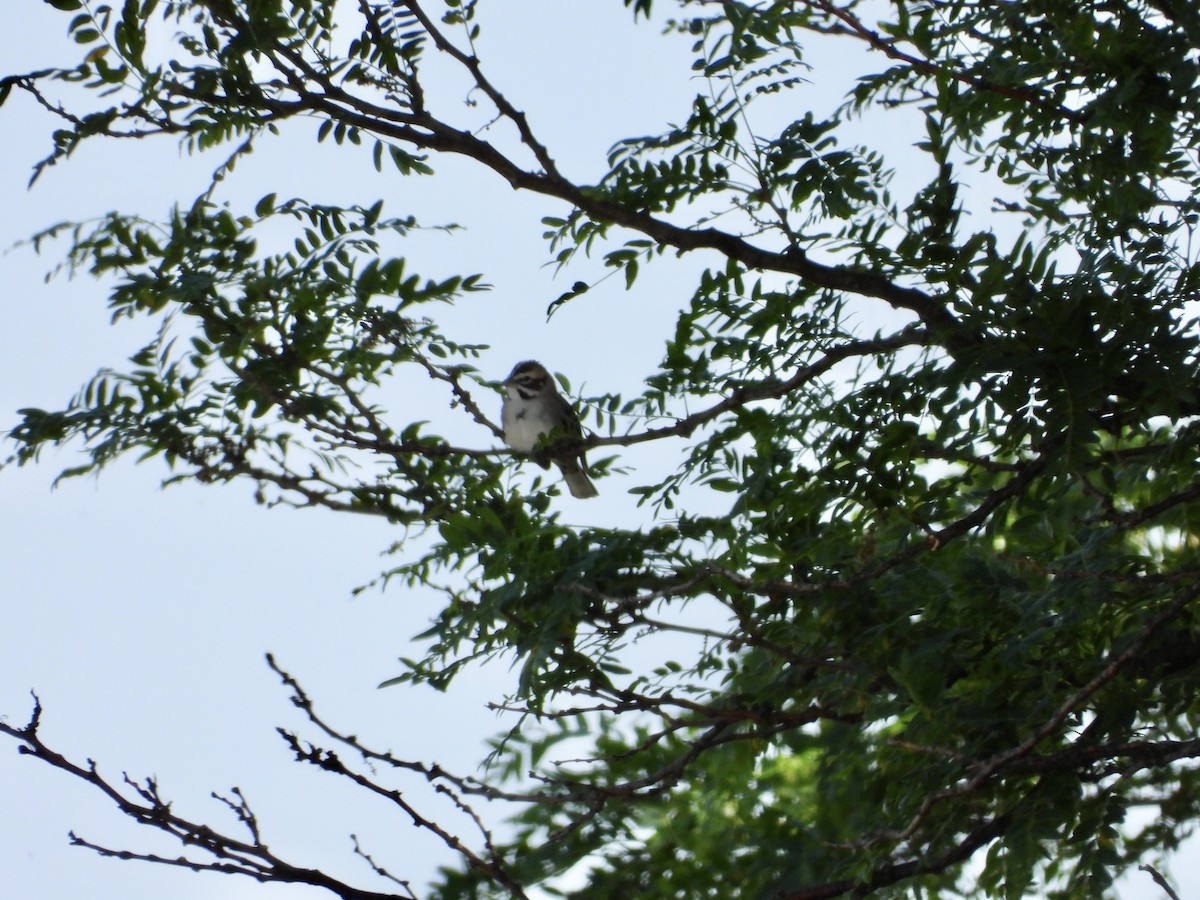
(949, 608)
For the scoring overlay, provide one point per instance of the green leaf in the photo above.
(265, 206)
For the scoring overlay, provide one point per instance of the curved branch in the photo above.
(472, 65)
(773, 389)
(426, 132)
(855, 27)
(895, 872)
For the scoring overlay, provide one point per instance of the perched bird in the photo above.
(534, 409)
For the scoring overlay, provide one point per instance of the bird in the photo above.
(533, 409)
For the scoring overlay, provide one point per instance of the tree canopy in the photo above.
(918, 583)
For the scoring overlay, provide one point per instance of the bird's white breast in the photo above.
(525, 421)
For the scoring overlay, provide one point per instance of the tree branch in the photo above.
(856, 28)
(146, 807)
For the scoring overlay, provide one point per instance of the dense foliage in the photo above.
(946, 608)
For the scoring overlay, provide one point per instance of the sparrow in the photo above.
(534, 409)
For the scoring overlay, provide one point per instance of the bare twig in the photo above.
(1159, 880)
(142, 802)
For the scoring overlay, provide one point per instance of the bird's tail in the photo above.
(578, 483)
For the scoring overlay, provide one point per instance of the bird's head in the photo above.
(528, 379)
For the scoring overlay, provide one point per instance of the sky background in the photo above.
(141, 615)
